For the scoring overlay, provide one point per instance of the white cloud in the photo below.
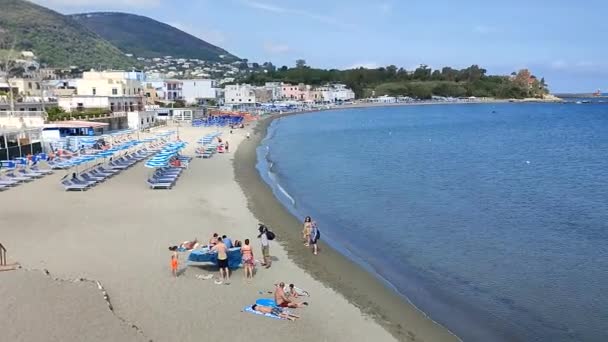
(367, 65)
(265, 6)
(559, 64)
(98, 3)
(284, 10)
(275, 48)
(386, 7)
(214, 37)
(483, 29)
(584, 64)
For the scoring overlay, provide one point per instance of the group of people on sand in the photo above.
(284, 297)
(221, 245)
(311, 234)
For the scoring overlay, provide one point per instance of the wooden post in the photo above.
(2, 255)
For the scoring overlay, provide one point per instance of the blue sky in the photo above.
(560, 40)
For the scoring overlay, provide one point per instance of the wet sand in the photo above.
(402, 319)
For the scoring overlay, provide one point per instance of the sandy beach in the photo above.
(116, 235)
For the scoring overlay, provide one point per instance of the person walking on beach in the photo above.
(306, 231)
(248, 135)
(315, 235)
(174, 264)
(222, 260)
(227, 146)
(265, 242)
(248, 260)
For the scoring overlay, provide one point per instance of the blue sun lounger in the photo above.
(69, 186)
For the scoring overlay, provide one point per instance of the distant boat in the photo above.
(597, 93)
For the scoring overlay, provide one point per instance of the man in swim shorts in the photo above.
(222, 259)
(282, 299)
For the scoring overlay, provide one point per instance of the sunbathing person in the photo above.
(189, 245)
(274, 311)
(283, 300)
(213, 240)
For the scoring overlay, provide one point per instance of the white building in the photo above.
(109, 83)
(276, 89)
(199, 90)
(239, 94)
(337, 93)
(111, 103)
(141, 119)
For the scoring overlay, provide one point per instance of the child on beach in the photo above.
(174, 264)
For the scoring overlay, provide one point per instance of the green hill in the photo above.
(145, 37)
(56, 39)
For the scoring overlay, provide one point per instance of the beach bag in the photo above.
(270, 235)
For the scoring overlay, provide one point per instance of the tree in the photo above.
(300, 63)
(422, 73)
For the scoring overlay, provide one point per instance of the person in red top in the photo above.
(174, 264)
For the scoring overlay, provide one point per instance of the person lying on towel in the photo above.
(274, 311)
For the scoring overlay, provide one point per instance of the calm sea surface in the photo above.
(492, 219)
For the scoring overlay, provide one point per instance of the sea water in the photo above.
(492, 219)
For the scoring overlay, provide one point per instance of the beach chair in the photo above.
(8, 182)
(92, 178)
(69, 186)
(11, 175)
(153, 184)
(37, 169)
(101, 169)
(96, 173)
(76, 180)
(25, 173)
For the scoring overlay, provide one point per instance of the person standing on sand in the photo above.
(174, 264)
(265, 246)
(315, 235)
(248, 260)
(307, 229)
(248, 135)
(227, 147)
(222, 260)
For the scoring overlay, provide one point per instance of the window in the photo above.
(124, 91)
(114, 91)
(94, 91)
(37, 86)
(29, 85)
(240, 100)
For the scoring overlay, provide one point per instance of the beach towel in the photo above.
(266, 302)
(250, 310)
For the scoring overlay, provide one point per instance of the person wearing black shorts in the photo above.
(222, 260)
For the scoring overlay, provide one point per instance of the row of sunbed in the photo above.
(166, 177)
(16, 176)
(93, 177)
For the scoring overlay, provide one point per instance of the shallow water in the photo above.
(490, 218)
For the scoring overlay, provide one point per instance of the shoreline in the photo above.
(407, 104)
(374, 298)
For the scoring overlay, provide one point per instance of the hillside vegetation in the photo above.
(421, 83)
(145, 37)
(56, 39)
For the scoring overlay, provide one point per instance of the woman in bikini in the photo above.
(248, 261)
(307, 229)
